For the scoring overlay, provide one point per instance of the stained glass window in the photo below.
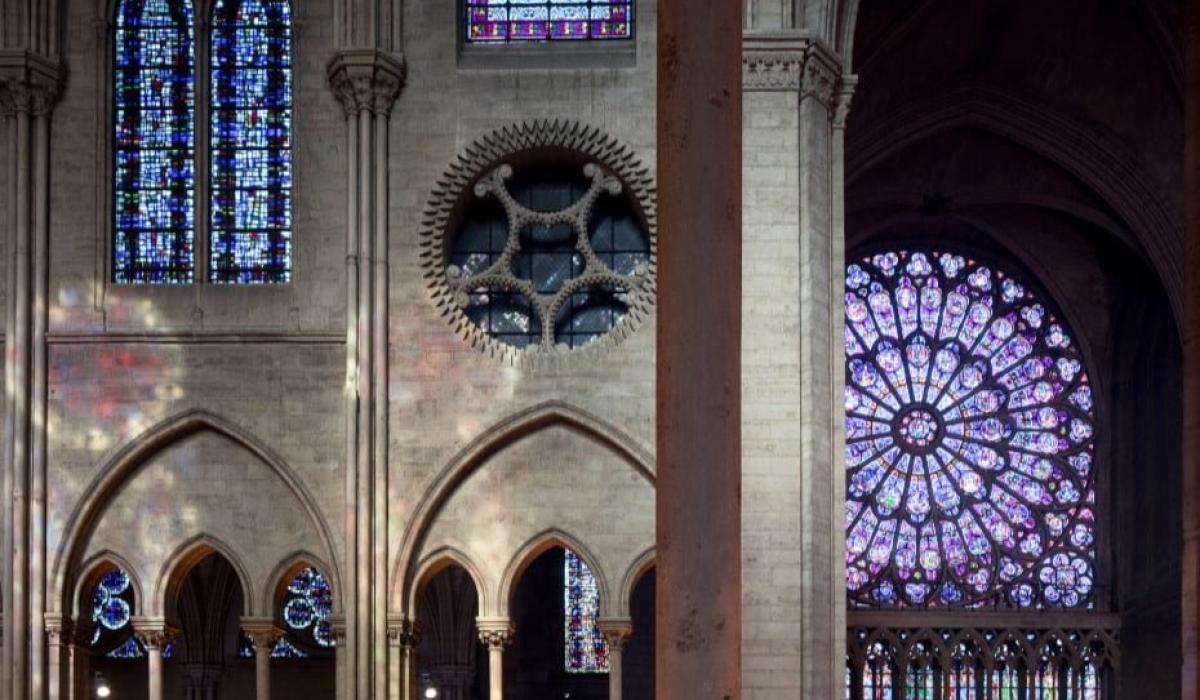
(969, 440)
(112, 614)
(154, 103)
(250, 142)
(586, 651)
(503, 21)
(549, 244)
(307, 605)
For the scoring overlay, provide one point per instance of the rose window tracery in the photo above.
(969, 428)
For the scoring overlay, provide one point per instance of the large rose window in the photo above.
(969, 440)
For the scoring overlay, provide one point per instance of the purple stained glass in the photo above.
(510, 21)
(969, 432)
(586, 651)
(250, 142)
(154, 178)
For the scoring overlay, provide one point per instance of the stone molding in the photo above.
(404, 633)
(366, 80)
(153, 632)
(29, 83)
(616, 631)
(486, 157)
(263, 632)
(495, 632)
(790, 63)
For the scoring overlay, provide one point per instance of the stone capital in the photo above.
(616, 631)
(495, 632)
(59, 629)
(29, 83)
(263, 633)
(366, 80)
(785, 62)
(338, 624)
(403, 632)
(153, 632)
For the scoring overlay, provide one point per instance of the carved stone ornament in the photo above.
(616, 632)
(367, 80)
(782, 63)
(495, 633)
(29, 83)
(482, 171)
(404, 633)
(263, 634)
(155, 638)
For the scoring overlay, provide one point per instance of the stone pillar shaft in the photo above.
(495, 633)
(1190, 599)
(699, 343)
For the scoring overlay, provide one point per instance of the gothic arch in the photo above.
(123, 464)
(439, 561)
(289, 567)
(90, 574)
(471, 457)
(1095, 157)
(534, 548)
(181, 562)
(640, 567)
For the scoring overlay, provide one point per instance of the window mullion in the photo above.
(203, 156)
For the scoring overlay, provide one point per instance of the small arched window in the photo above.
(511, 21)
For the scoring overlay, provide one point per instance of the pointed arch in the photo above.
(123, 464)
(505, 433)
(92, 572)
(1095, 157)
(273, 592)
(633, 575)
(183, 560)
(538, 545)
(441, 560)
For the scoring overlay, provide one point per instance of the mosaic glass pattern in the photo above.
(283, 649)
(969, 440)
(112, 611)
(586, 651)
(508, 21)
(523, 250)
(307, 605)
(154, 115)
(251, 142)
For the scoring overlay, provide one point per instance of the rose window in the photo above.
(969, 440)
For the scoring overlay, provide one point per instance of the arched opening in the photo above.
(206, 606)
(108, 600)
(637, 681)
(450, 657)
(303, 660)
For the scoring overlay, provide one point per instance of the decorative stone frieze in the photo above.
(785, 63)
(366, 79)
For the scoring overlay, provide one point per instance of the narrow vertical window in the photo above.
(154, 153)
(586, 651)
(251, 142)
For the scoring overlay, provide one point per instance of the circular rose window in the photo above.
(969, 432)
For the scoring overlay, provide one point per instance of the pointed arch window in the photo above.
(239, 176)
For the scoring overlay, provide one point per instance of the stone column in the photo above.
(616, 633)
(341, 681)
(367, 82)
(80, 675)
(59, 642)
(154, 634)
(403, 637)
(29, 88)
(796, 102)
(1190, 332)
(495, 633)
(698, 509)
(263, 635)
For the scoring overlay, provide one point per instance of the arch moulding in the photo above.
(538, 545)
(124, 464)
(474, 455)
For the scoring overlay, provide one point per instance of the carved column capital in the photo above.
(841, 100)
(29, 83)
(366, 79)
(338, 624)
(262, 632)
(616, 631)
(153, 632)
(792, 63)
(495, 632)
(59, 629)
(403, 632)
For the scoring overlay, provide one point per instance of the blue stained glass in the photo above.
(510, 21)
(250, 140)
(586, 651)
(154, 180)
(307, 605)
